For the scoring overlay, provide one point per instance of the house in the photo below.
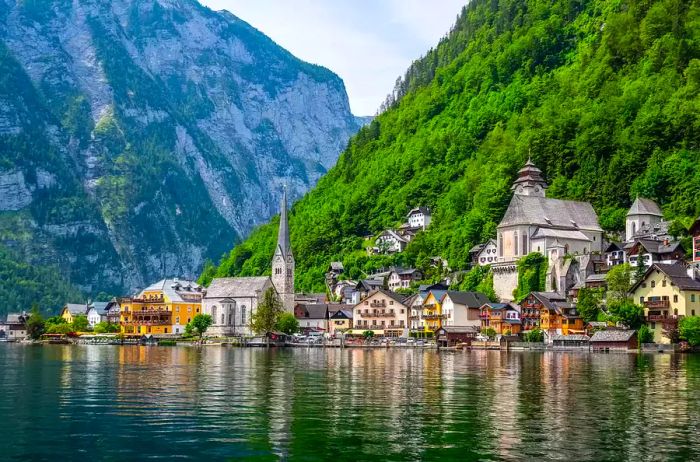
(400, 278)
(366, 286)
(14, 328)
(334, 271)
(462, 308)
(695, 233)
(557, 316)
(161, 308)
(615, 254)
(382, 312)
(667, 292)
(344, 292)
(565, 342)
(484, 254)
(653, 251)
(231, 303)
(614, 339)
(530, 308)
(111, 311)
(93, 316)
(418, 217)
(71, 310)
(416, 323)
(504, 318)
(431, 315)
(645, 221)
(390, 242)
(448, 336)
(535, 223)
(340, 321)
(312, 317)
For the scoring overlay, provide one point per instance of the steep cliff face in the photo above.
(138, 138)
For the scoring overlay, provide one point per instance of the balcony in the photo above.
(657, 317)
(376, 304)
(430, 317)
(378, 314)
(151, 312)
(657, 304)
(134, 322)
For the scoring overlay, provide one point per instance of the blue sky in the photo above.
(368, 43)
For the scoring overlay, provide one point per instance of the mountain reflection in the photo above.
(218, 403)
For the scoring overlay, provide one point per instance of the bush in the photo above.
(689, 328)
(534, 336)
(645, 335)
(490, 332)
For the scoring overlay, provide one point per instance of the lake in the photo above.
(219, 403)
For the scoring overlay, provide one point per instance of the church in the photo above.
(534, 222)
(231, 302)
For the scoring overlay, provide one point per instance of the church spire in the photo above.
(530, 181)
(283, 246)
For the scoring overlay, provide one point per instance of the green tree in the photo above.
(535, 335)
(645, 335)
(63, 328)
(490, 332)
(264, 319)
(287, 323)
(80, 323)
(689, 329)
(199, 325)
(368, 334)
(105, 328)
(626, 312)
(619, 280)
(35, 324)
(588, 304)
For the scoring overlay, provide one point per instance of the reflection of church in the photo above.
(553, 227)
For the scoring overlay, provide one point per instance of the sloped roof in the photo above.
(408, 301)
(550, 213)
(576, 338)
(614, 246)
(612, 335)
(237, 287)
(423, 210)
(560, 233)
(312, 310)
(695, 227)
(477, 248)
(284, 246)
(437, 293)
(656, 246)
(342, 314)
(461, 329)
(549, 299)
(469, 299)
(642, 206)
(393, 295)
(76, 308)
(678, 274)
(337, 266)
(15, 318)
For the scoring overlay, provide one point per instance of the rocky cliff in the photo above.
(138, 138)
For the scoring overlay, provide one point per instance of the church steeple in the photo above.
(283, 260)
(530, 181)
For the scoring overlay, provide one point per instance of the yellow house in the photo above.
(340, 321)
(667, 291)
(162, 308)
(432, 311)
(71, 310)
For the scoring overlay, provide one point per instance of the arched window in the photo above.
(515, 243)
(213, 312)
(243, 315)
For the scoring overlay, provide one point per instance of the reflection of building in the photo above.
(667, 292)
(162, 308)
(232, 301)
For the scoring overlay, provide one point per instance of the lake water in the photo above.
(217, 403)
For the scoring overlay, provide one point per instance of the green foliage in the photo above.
(588, 305)
(535, 336)
(619, 280)
(80, 323)
(645, 335)
(287, 323)
(532, 272)
(62, 329)
(368, 334)
(105, 328)
(490, 332)
(406, 291)
(35, 325)
(604, 95)
(626, 312)
(689, 328)
(199, 324)
(167, 343)
(265, 318)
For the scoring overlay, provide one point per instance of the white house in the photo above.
(400, 278)
(462, 308)
(231, 303)
(391, 242)
(487, 255)
(93, 316)
(645, 220)
(418, 217)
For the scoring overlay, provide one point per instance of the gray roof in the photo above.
(613, 335)
(337, 266)
(576, 338)
(423, 210)
(596, 277)
(175, 289)
(656, 246)
(343, 314)
(469, 299)
(460, 329)
(549, 300)
(477, 248)
(15, 318)
(678, 274)
(76, 308)
(237, 287)
(571, 234)
(550, 213)
(642, 206)
(284, 246)
(312, 310)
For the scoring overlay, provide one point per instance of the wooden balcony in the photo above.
(657, 317)
(376, 304)
(431, 317)
(657, 304)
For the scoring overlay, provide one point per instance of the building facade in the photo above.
(462, 308)
(419, 217)
(283, 264)
(382, 312)
(231, 303)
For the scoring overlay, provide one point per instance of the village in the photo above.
(397, 307)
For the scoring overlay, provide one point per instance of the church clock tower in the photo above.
(530, 181)
(283, 261)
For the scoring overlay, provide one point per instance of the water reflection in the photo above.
(311, 404)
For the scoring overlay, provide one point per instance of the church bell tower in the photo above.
(283, 261)
(530, 181)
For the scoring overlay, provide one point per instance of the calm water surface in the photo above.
(131, 403)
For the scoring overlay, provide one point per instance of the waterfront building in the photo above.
(382, 312)
(231, 303)
(14, 327)
(614, 339)
(340, 321)
(504, 318)
(162, 308)
(575, 341)
(536, 223)
(556, 315)
(462, 308)
(650, 251)
(448, 336)
(94, 316)
(615, 254)
(667, 293)
(71, 310)
(283, 263)
(431, 314)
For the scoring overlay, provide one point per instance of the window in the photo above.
(243, 314)
(692, 312)
(213, 312)
(653, 284)
(663, 283)
(391, 302)
(189, 309)
(641, 299)
(177, 320)
(692, 297)
(675, 299)
(401, 310)
(223, 318)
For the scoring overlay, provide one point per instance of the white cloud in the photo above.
(367, 43)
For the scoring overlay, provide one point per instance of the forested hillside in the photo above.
(603, 94)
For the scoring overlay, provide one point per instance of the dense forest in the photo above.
(604, 95)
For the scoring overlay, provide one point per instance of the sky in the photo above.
(368, 43)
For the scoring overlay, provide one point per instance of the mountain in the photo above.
(603, 95)
(139, 138)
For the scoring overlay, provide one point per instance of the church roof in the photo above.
(283, 244)
(529, 174)
(236, 287)
(550, 213)
(560, 233)
(644, 206)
